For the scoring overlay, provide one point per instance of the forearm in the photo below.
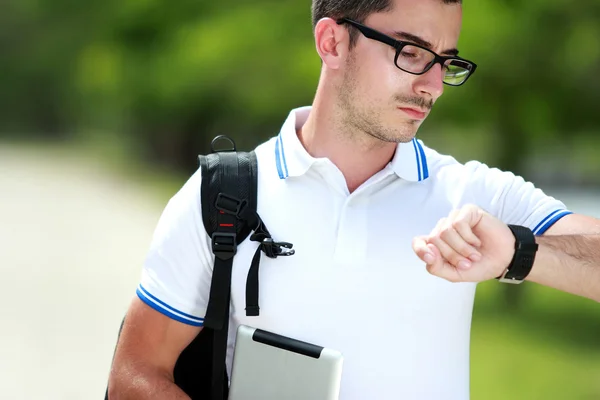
(570, 263)
(141, 383)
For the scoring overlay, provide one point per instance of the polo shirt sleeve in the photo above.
(178, 268)
(512, 199)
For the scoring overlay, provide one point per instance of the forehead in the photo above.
(432, 20)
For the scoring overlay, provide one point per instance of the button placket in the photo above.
(351, 246)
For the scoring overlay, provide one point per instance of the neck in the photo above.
(356, 154)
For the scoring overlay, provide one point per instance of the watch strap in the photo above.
(524, 257)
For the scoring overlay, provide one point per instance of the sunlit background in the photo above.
(104, 106)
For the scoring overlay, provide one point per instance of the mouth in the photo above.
(414, 113)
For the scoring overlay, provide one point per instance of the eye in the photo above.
(409, 52)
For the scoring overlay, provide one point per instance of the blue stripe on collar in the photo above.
(419, 152)
(285, 167)
(280, 158)
(423, 160)
(418, 157)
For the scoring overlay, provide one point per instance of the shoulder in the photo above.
(267, 148)
(472, 181)
(504, 194)
(182, 216)
(446, 167)
(188, 195)
(268, 156)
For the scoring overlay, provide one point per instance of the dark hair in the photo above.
(357, 10)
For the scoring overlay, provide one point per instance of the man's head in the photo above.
(371, 93)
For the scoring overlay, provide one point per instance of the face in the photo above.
(377, 98)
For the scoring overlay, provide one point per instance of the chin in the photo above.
(405, 131)
(405, 138)
(396, 136)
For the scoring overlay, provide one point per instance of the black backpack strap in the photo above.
(271, 249)
(229, 213)
(228, 188)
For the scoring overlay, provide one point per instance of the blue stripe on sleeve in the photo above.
(549, 221)
(167, 310)
(545, 220)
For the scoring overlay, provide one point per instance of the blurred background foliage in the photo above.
(165, 77)
(154, 81)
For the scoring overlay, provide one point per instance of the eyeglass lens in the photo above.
(416, 60)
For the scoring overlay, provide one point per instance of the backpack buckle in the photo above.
(275, 249)
(224, 245)
(229, 204)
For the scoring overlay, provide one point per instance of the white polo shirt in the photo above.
(354, 284)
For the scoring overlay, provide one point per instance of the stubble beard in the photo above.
(366, 119)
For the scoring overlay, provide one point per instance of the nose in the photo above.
(430, 83)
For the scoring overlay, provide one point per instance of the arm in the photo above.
(568, 257)
(149, 345)
(472, 246)
(172, 297)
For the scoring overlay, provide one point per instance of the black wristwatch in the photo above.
(522, 261)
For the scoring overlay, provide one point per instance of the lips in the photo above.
(413, 112)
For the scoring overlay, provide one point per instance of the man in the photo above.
(390, 236)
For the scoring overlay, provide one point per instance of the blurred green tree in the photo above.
(168, 76)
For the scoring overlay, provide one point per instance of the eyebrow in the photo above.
(422, 42)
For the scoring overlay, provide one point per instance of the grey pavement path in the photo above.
(72, 241)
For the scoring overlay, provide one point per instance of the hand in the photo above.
(469, 245)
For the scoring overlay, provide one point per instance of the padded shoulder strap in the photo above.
(228, 195)
(229, 177)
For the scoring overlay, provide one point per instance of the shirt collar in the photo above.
(292, 159)
(410, 161)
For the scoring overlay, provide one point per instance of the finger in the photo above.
(465, 220)
(441, 268)
(454, 214)
(420, 248)
(449, 254)
(463, 253)
(457, 242)
(472, 214)
(441, 224)
(466, 233)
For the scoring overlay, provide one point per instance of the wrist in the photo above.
(543, 258)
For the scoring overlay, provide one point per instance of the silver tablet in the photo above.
(268, 366)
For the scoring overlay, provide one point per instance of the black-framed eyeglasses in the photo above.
(417, 60)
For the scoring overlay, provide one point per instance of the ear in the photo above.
(332, 42)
